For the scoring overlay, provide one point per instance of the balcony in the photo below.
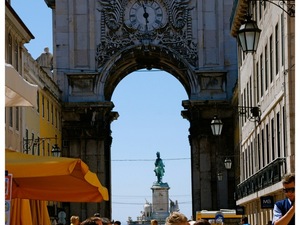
(266, 177)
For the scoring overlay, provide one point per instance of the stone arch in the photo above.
(149, 57)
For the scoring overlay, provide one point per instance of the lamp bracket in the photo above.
(288, 6)
(28, 144)
(252, 113)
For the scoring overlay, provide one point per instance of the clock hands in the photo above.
(145, 15)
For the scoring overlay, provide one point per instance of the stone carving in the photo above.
(112, 10)
(176, 35)
(178, 12)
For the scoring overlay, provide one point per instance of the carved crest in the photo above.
(165, 23)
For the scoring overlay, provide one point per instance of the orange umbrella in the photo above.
(29, 212)
(39, 212)
(20, 212)
(53, 179)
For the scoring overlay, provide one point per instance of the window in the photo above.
(26, 138)
(257, 83)
(17, 119)
(38, 146)
(268, 144)
(48, 111)
(38, 101)
(52, 116)
(9, 50)
(258, 151)
(276, 49)
(16, 55)
(43, 106)
(273, 139)
(248, 95)
(271, 59)
(278, 135)
(10, 116)
(252, 158)
(261, 75)
(245, 104)
(282, 40)
(56, 118)
(59, 125)
(263, 147)
(32, 138)
(266, 67)
(250, 86)
(284, 131)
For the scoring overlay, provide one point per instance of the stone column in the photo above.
(87, 135)
(208, 153)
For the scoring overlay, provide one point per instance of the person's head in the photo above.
(97, 220)
(74, 220)
(117, 222)
(106, 221)
(157, 154)
(288, 183)
(202, 222)
(177, 218)
(244, 220)
(269, 222)
(89, 221)
(154, 222)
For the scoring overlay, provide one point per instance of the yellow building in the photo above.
(32, 130)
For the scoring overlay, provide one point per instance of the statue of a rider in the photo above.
(159, 168)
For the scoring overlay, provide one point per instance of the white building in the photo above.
(267, 81)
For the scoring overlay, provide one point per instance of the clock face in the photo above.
(145, 15)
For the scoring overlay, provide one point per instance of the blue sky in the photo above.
(149, 104)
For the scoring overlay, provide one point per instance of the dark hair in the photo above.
(117, 222)
(89, 221)
(245, 219)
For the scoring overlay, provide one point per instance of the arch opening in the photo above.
(149, 121)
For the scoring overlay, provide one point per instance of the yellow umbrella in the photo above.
(53, 179)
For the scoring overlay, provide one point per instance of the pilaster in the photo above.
(87, 135)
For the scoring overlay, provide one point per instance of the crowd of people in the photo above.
(93, 220)
(284, 211)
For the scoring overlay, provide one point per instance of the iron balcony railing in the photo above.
(266, 177)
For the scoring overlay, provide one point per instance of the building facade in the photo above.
(267, 81)
(31, 130)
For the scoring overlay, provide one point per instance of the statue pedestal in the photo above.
(160, 200)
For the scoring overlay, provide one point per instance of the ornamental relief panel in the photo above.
(128, 23)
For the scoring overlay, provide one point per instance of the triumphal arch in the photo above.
(98, 43)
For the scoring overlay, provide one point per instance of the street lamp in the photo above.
(220, 176)
(216, 126)
(55, 151)
(248, 35)
(228, 163)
